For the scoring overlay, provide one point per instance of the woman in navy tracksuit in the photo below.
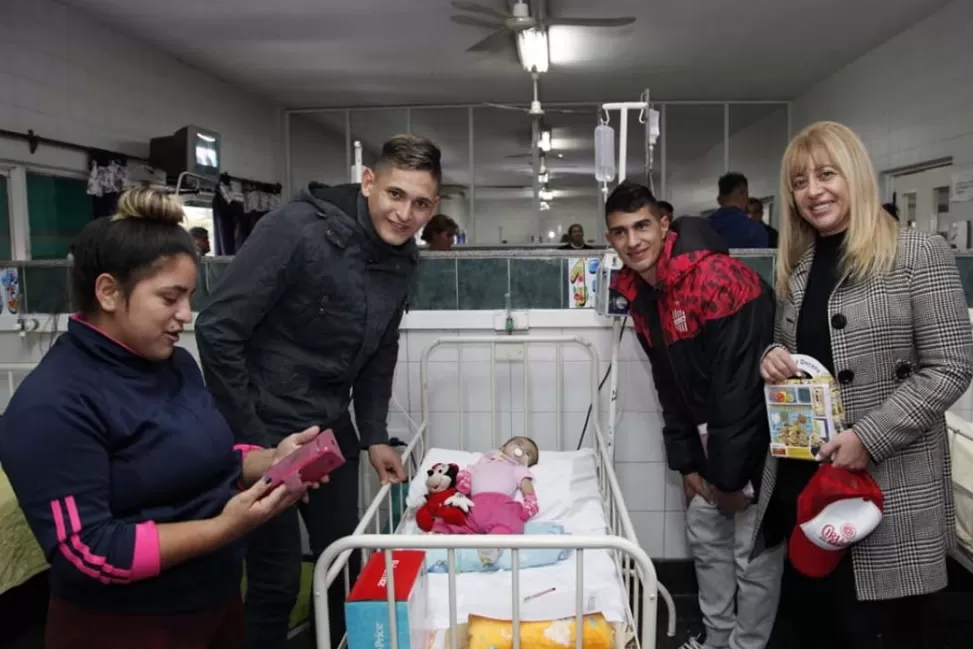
(122, 464)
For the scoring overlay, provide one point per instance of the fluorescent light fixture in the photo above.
(533, 51)
(546, 195)
(545, 142)
(550, 234)
(542, 178)
(544, 206)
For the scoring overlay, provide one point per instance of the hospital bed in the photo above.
(604, 571)
(961, 448)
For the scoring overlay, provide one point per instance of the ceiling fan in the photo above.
(507, 26)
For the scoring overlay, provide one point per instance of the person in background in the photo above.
(440, 232)
(704, 319)
(732, 220)
(883, 309)
(576, 239)
(755, 208)
(308, 313)
(201, 240)
(124, 467)
(667, 210)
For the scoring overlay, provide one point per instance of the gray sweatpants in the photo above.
(720, 544)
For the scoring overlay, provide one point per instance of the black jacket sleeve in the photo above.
(684, 451)
(256, 278)
(735, 407)
(372, 389)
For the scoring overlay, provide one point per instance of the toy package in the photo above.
(804, 413)
(367, 609)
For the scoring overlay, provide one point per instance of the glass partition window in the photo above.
(694, 157)
(449, 129)
(58, 208)
(318, 149)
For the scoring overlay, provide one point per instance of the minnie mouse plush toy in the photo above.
(443, 500)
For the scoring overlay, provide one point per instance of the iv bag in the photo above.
(604, 153)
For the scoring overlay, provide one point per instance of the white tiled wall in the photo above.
(70, 78)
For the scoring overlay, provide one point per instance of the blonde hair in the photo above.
(871, 241)
(149, 204)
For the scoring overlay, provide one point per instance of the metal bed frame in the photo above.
(633, 565)
(962, 428)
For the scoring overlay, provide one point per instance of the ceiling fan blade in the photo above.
(473, 7)
(498, 41)
(589, 22)
(473, 21)
(519, 109)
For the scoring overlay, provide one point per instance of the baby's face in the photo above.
(521, 450)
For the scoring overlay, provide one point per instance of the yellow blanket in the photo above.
(486, 633)
(20, 556)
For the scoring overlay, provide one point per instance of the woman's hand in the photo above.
(293, 442)
(254, 507)
(846, 451)
(777, 365)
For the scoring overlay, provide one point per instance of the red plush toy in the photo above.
(443, 501)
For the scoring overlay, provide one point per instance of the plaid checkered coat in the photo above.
(903, 353)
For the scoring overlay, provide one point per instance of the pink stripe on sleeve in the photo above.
(69, 553)
(531, 506)
(245, 449)
(147, 558)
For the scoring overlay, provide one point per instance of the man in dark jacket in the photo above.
(704, 320)
(732, 220)
(305, 322)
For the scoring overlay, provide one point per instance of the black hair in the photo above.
(731, 182)
(630, 197)
(666, 207)
(129, 246)
(575, 225)
(437, 224)
(414, 153)
(199, 232)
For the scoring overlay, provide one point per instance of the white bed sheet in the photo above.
(961, 449)
(568, 493)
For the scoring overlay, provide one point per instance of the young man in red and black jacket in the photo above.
(704, 320)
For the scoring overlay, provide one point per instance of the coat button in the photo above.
(845, 377)
(903, 370)
(839, 321)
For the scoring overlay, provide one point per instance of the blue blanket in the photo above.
(494, 560)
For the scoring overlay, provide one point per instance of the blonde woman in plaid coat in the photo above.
(884, 309)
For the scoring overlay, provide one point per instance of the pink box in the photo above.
(309, 463)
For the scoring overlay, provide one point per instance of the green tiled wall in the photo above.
(442, 284)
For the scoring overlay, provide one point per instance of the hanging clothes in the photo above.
(107, 178)
(236, 209)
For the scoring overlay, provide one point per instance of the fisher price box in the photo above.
(804, 413)
(367, 609)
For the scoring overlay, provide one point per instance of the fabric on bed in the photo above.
(21, 556)
(487, 633)
(474, 561)
(568, 492)
(961, 449)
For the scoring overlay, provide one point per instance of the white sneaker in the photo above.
(692, 643)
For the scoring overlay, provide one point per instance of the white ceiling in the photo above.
(334, 53)
(391, 52)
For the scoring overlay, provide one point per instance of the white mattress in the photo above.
(961, 449)
(568, 494)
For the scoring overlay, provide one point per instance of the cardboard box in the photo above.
(367, 609)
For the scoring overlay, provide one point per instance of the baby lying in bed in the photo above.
(492, 484)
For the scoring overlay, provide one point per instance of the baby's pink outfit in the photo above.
(491, 484)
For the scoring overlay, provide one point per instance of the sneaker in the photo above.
(692, 643)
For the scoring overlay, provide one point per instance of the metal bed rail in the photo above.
(637, 576)
(957, 426)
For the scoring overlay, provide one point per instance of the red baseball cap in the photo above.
(837, 508)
